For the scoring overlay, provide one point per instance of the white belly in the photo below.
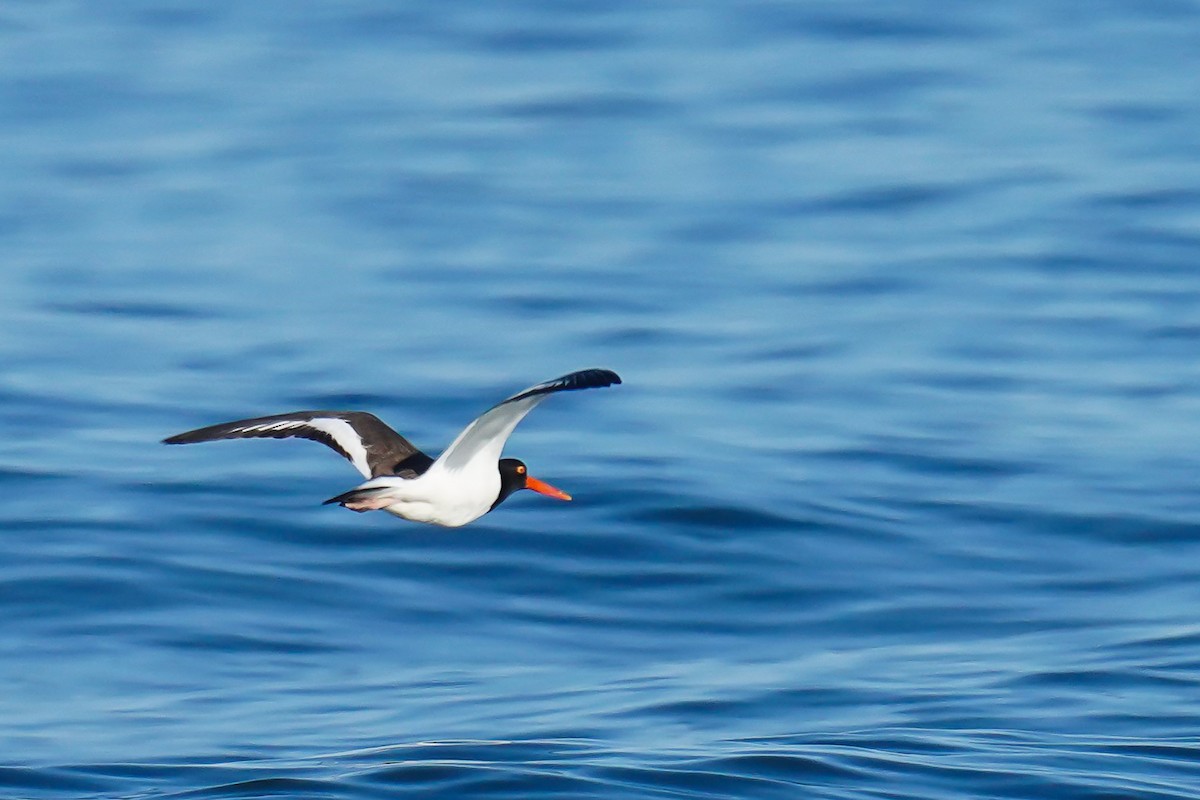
(425, 512)
(444, 497)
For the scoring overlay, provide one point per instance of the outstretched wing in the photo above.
(361, 438)
(484, 438)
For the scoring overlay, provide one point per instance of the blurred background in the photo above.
(898, 498)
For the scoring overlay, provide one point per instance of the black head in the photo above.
(514, 476)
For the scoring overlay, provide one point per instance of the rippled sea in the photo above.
(898, 499)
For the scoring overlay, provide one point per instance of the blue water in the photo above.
(898, 499)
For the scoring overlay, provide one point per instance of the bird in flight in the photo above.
(466, 481)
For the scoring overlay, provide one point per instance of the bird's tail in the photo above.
(370, 498)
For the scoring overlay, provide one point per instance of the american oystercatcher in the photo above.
(466, 481)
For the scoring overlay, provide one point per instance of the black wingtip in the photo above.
(192, 437)
(583, 379)
(594, 378)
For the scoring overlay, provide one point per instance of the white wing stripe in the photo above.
(347, 438)
(277, 426)
(339, 430)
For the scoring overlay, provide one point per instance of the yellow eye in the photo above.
(520, 470)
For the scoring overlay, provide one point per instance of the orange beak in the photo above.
(542, 487)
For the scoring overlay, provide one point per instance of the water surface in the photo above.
(897, 499)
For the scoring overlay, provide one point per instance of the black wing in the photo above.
(361, 438)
